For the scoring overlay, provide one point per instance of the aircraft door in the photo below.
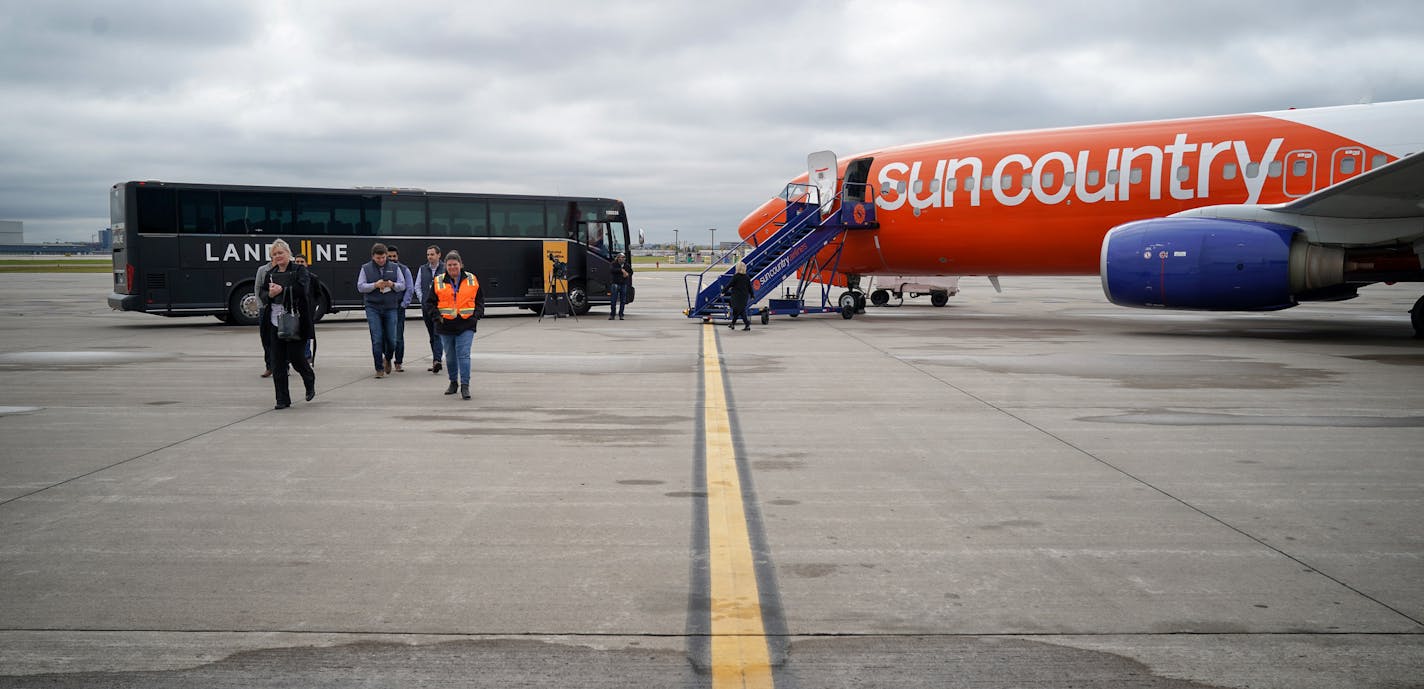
(821, 173)
(1299, 178)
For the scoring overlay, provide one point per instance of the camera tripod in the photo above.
(556, 300)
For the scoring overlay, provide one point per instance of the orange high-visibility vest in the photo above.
(456, 304)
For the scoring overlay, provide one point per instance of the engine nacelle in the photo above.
(1213, 264)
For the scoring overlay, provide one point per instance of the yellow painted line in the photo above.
(739, 653)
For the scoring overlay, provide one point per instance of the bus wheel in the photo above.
(939, 298)
(578, 299)
(243, 308)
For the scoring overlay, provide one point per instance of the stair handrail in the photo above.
(807, 194)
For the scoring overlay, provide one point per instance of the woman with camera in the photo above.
(287, 292)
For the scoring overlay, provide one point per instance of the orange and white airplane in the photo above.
(1239, 212)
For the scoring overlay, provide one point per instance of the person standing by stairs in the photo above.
(739, 292)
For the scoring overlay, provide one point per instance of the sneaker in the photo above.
(399, 369)
(453, 387)
(380, 374)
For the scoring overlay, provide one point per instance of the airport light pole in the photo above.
(674, 241)
(713, 230)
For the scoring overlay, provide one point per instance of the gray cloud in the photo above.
(692, 113)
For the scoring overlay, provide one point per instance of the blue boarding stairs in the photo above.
(808, 227)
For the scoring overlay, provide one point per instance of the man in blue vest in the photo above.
(423, 281)
(393, 256)
(383, 285)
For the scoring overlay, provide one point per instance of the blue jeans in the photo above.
(619, 298)
(437, 349)
(458, 348)
(400, 335)
(457, 355)
(382, 323)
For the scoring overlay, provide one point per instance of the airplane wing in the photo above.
(1393, 191)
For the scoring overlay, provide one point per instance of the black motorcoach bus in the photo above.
(194, 249)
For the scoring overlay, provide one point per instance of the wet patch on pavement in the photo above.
(496, 362)
(1392, 359)
(485, 662)
(79, 360)
(957, 661)
(1164, 417)
(1143, 371)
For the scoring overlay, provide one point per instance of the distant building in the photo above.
(12, 232)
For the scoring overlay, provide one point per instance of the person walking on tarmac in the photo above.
(393, 256)
(381, 282)
(288, 289)
(423, 281)
(740, 292)
(456, 298)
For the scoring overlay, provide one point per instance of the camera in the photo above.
(560, 269)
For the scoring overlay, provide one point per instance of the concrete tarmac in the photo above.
(1027, 489)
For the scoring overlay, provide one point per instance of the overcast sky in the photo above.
(693, 113)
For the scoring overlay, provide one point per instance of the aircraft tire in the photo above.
(1416, 318)
(939, 298)
(880, 297)
(765, 317)
(847, 300)
(847, 312)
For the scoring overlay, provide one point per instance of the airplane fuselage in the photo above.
(1040, 202)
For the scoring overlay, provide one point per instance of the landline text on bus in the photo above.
(255, 252)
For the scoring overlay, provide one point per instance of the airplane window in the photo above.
(1047, 179)
(884, 188)
(1006, 181)
(1228, 171)
(1183, 172)
(1253, 170)
(900, 187)
(1298, 168)
(1113, 176)
(1027, 180)
(951, 184)
(1093, 178)
(1070, 178)
(1378, 161)
(919, 186)
(1275, 169)
(1136, 177)
(988, 183)
(1347, 165)
(968, 182)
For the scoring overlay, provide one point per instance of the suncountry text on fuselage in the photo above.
(1075, 174)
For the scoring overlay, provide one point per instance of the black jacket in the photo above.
(617, 277)
(298, 294)
(740, 291)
